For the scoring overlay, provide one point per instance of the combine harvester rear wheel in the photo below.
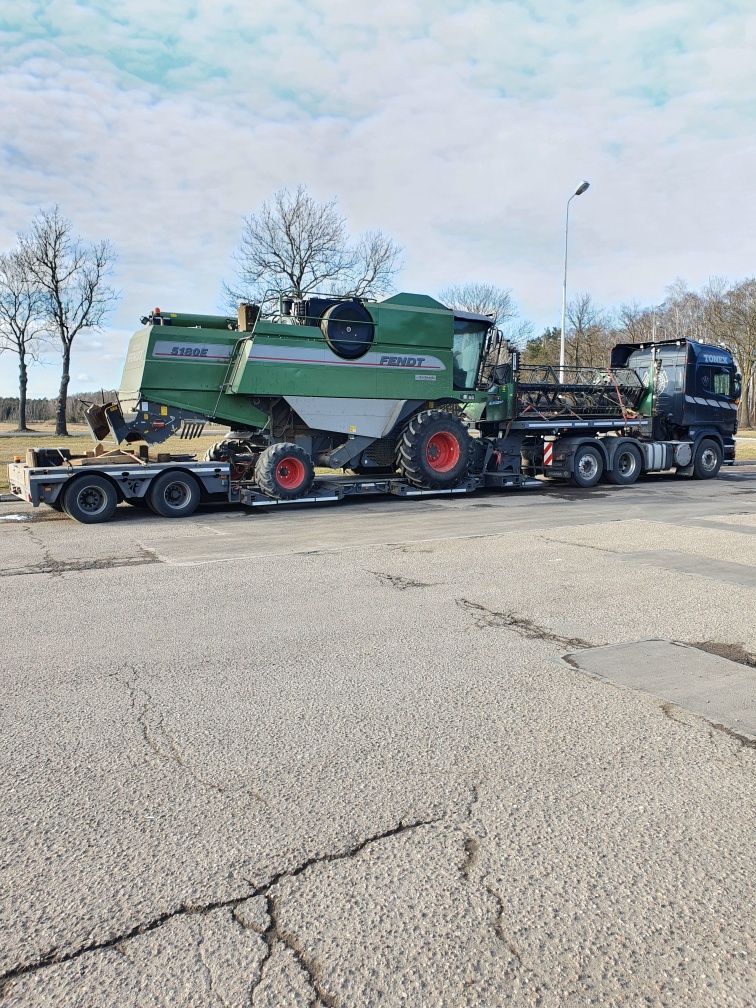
(435, 450)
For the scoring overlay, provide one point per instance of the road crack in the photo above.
(56, 568)
(491, 619)
(159, 740)
(401, 583)
(472, 849)
(55, 957)
(582, 545)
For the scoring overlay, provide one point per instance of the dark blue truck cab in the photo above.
(692, 390)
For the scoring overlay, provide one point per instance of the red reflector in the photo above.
(158, 425)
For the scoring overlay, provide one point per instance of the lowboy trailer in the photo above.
(403, 396)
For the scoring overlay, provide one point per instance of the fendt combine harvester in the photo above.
(403, 396)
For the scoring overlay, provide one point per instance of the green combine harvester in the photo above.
(403, 396)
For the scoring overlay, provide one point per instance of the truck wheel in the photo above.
(284, 471)
(435, 450)
(707, 460)
(90, 499)
(587, 466)
(173, 495)
(626, 466)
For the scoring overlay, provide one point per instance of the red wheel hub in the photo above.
(290, 473)
(442, 452)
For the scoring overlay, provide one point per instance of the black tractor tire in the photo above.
(90, 499)
(435, 450)
(587, 466)
(284, 471)
(707, 459)
(627, 465)
(173, 495)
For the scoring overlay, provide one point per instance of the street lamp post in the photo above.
(578, 192)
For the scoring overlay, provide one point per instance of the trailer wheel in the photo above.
(626, 466)
(284, 471)
(173, 495)
(707, 460)
(587, 466)
(435, 450)
(90, 499)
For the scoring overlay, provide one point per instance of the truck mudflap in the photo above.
(151, 422)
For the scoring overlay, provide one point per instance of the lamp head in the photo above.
(582, 188)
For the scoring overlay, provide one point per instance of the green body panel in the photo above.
(184, 367)
(214, 371)
(410, 357)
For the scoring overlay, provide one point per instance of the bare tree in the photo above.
(588, 336)
(633, 324)
(21, 328)
(483, 298)
(294, 244)
(731, 319)
(71, 275)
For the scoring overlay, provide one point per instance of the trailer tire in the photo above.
(707, 459)
(587, 466)
(284, 471)
(90, 499)
(434, 450)
(173, 495)
(627, 465)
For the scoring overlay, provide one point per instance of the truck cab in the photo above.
(691, 389)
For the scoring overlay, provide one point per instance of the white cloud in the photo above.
(459, 127)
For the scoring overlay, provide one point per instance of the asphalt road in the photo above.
(382, 753)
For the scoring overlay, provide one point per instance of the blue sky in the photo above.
(458, 127)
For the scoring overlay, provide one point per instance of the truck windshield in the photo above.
(469, 341)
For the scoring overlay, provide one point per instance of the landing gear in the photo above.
(435, 450)
(284, 471)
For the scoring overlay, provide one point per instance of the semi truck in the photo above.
(327, 397)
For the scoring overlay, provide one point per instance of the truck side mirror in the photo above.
(737, 385)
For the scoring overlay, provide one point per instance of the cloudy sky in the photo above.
(458, 127)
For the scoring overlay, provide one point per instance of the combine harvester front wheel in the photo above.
(284, 471)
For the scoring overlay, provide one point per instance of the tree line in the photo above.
(54, 285)
(43, 410)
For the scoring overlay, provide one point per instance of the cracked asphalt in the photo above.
(337, 758)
